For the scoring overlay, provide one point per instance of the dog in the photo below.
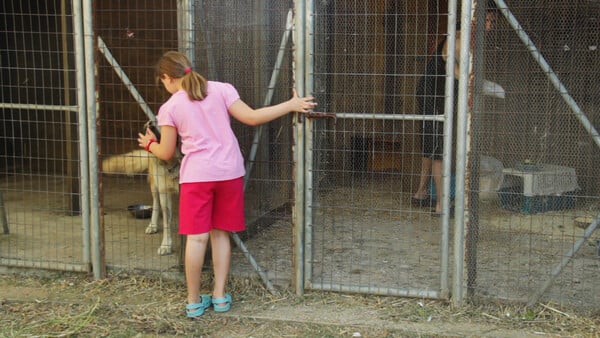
(163, 177)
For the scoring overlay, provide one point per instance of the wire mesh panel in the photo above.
(39, 148)
(365, 235)
(131, 36)
(248, 44)
(532, 201)
(532, 153)
(533, 235)
(245, 43)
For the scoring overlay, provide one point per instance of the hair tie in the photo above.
(187, 70)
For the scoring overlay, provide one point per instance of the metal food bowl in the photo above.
(140, 210)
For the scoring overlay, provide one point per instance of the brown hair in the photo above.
(177, 65)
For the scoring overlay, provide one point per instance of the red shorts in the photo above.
(211, 205)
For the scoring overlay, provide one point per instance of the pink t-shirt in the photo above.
(211, 149)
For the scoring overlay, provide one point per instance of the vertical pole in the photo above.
(73, 202)
(185, 45)
(461, 148)
(97, 229)
(185, 29)
(307, 140)
(473, 160)
(80, 71)
(298, 63)
(448, 125)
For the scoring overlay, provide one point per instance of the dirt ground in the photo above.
(144, 293)
(517, 252)
(124, 305)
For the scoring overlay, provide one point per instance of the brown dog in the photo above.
(163, 177)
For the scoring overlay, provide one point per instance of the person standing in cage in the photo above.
(212, 170)
(431, 98)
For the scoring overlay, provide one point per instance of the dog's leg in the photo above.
(166, 247)
(155, 190)
(153, 226)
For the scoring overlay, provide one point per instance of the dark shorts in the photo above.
(432, 139)
(204, 206)
(432, 133)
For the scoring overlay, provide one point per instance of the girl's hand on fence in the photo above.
(301, 104)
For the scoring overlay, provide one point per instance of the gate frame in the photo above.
(304, 66)
(81, 21)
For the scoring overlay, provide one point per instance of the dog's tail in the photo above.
(133, 162)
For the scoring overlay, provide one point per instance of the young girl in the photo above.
(211, 175)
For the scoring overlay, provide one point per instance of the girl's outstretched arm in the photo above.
(253, 117)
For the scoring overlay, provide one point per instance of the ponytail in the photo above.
(195, 85)
(177, 65)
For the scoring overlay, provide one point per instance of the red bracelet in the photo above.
(147, 147)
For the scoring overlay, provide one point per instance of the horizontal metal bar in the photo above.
(20, 263)
(373, 290)
(398, 117)
(38, 107)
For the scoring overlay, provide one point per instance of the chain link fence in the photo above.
(531, 199)
(39, 154)
(545, 55)
(527, 200)
(251, 50)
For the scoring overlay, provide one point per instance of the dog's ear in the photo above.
(154, 129)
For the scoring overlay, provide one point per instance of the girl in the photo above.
(211, 175)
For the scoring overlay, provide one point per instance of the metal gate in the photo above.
(362, 151)
(361, 234)
(338, 181)
(45, 178)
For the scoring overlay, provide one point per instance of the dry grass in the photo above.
(127, 305)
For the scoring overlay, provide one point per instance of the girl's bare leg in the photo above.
(221, 257)
(195, 249)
